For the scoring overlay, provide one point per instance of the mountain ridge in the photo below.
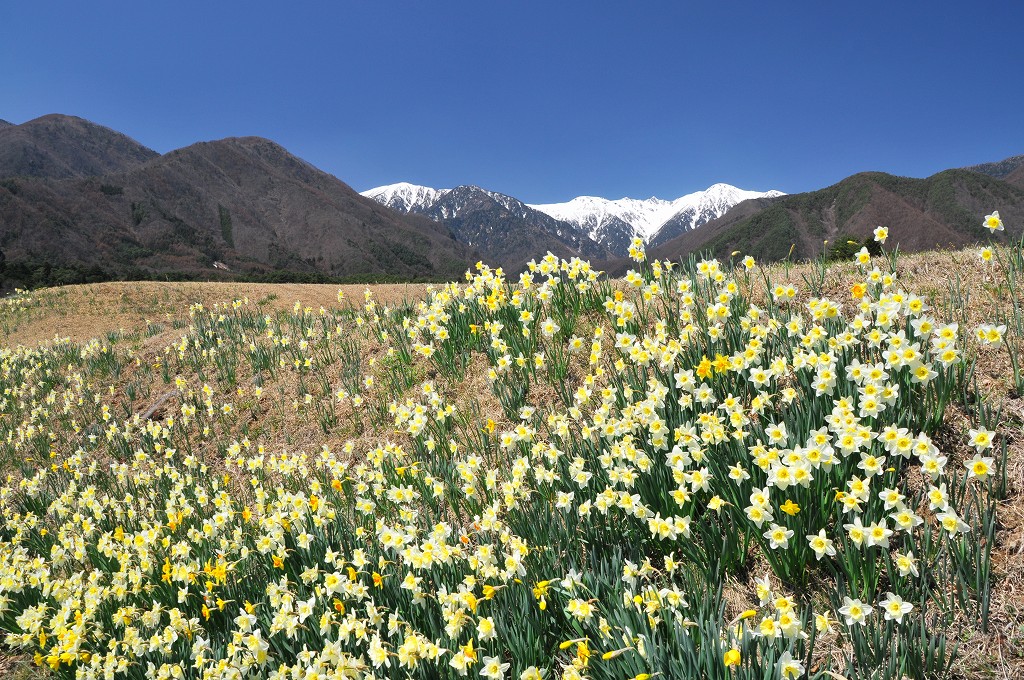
(943, 210)
(1009, 170)
(56, 146)
(649, 216)
(78, 199)
(612, 224)
(999, 169)
(244, 204)
(504, 228)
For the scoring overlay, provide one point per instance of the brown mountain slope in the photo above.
(245, 202)
(1016, 178)
(508, 232)
(59, 147)
(943, 210)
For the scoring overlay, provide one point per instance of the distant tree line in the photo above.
(32, 273)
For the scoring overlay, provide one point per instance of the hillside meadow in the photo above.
(705, 469)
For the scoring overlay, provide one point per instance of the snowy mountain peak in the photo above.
(646, 217)
(405, 197)
(699, 208)
(593, 213)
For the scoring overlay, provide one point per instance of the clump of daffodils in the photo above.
(642, 443)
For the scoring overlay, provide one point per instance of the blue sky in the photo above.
(541, 100)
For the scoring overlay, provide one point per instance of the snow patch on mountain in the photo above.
(405, 197)
(610, 223)
(593, 213)
(414, 198)
(647, 216)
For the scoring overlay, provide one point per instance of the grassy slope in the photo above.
(145, 319)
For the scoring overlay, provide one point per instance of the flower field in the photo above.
(707, 469)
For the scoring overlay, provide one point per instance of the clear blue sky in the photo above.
(542, 100)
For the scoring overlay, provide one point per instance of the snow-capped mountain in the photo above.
(581, 224)
(647, 218)
(708, 205)
(505, 230)
(414, 198)
(405, 197)
(594, 214)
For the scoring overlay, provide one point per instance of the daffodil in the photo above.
(894, 607)
(821, 544)
(992, 222)
(790, 508)
(981, 438)
(493, 668)
(778, 536)
(979, 467)
(788, 667)
(855, 611)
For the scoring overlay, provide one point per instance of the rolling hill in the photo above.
(243, 203)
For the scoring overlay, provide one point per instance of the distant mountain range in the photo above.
(507, 231)
(80, 202)
(592, 225)
(654, 220)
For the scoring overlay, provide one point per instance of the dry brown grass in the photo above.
(88, 311)
(20, 668)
